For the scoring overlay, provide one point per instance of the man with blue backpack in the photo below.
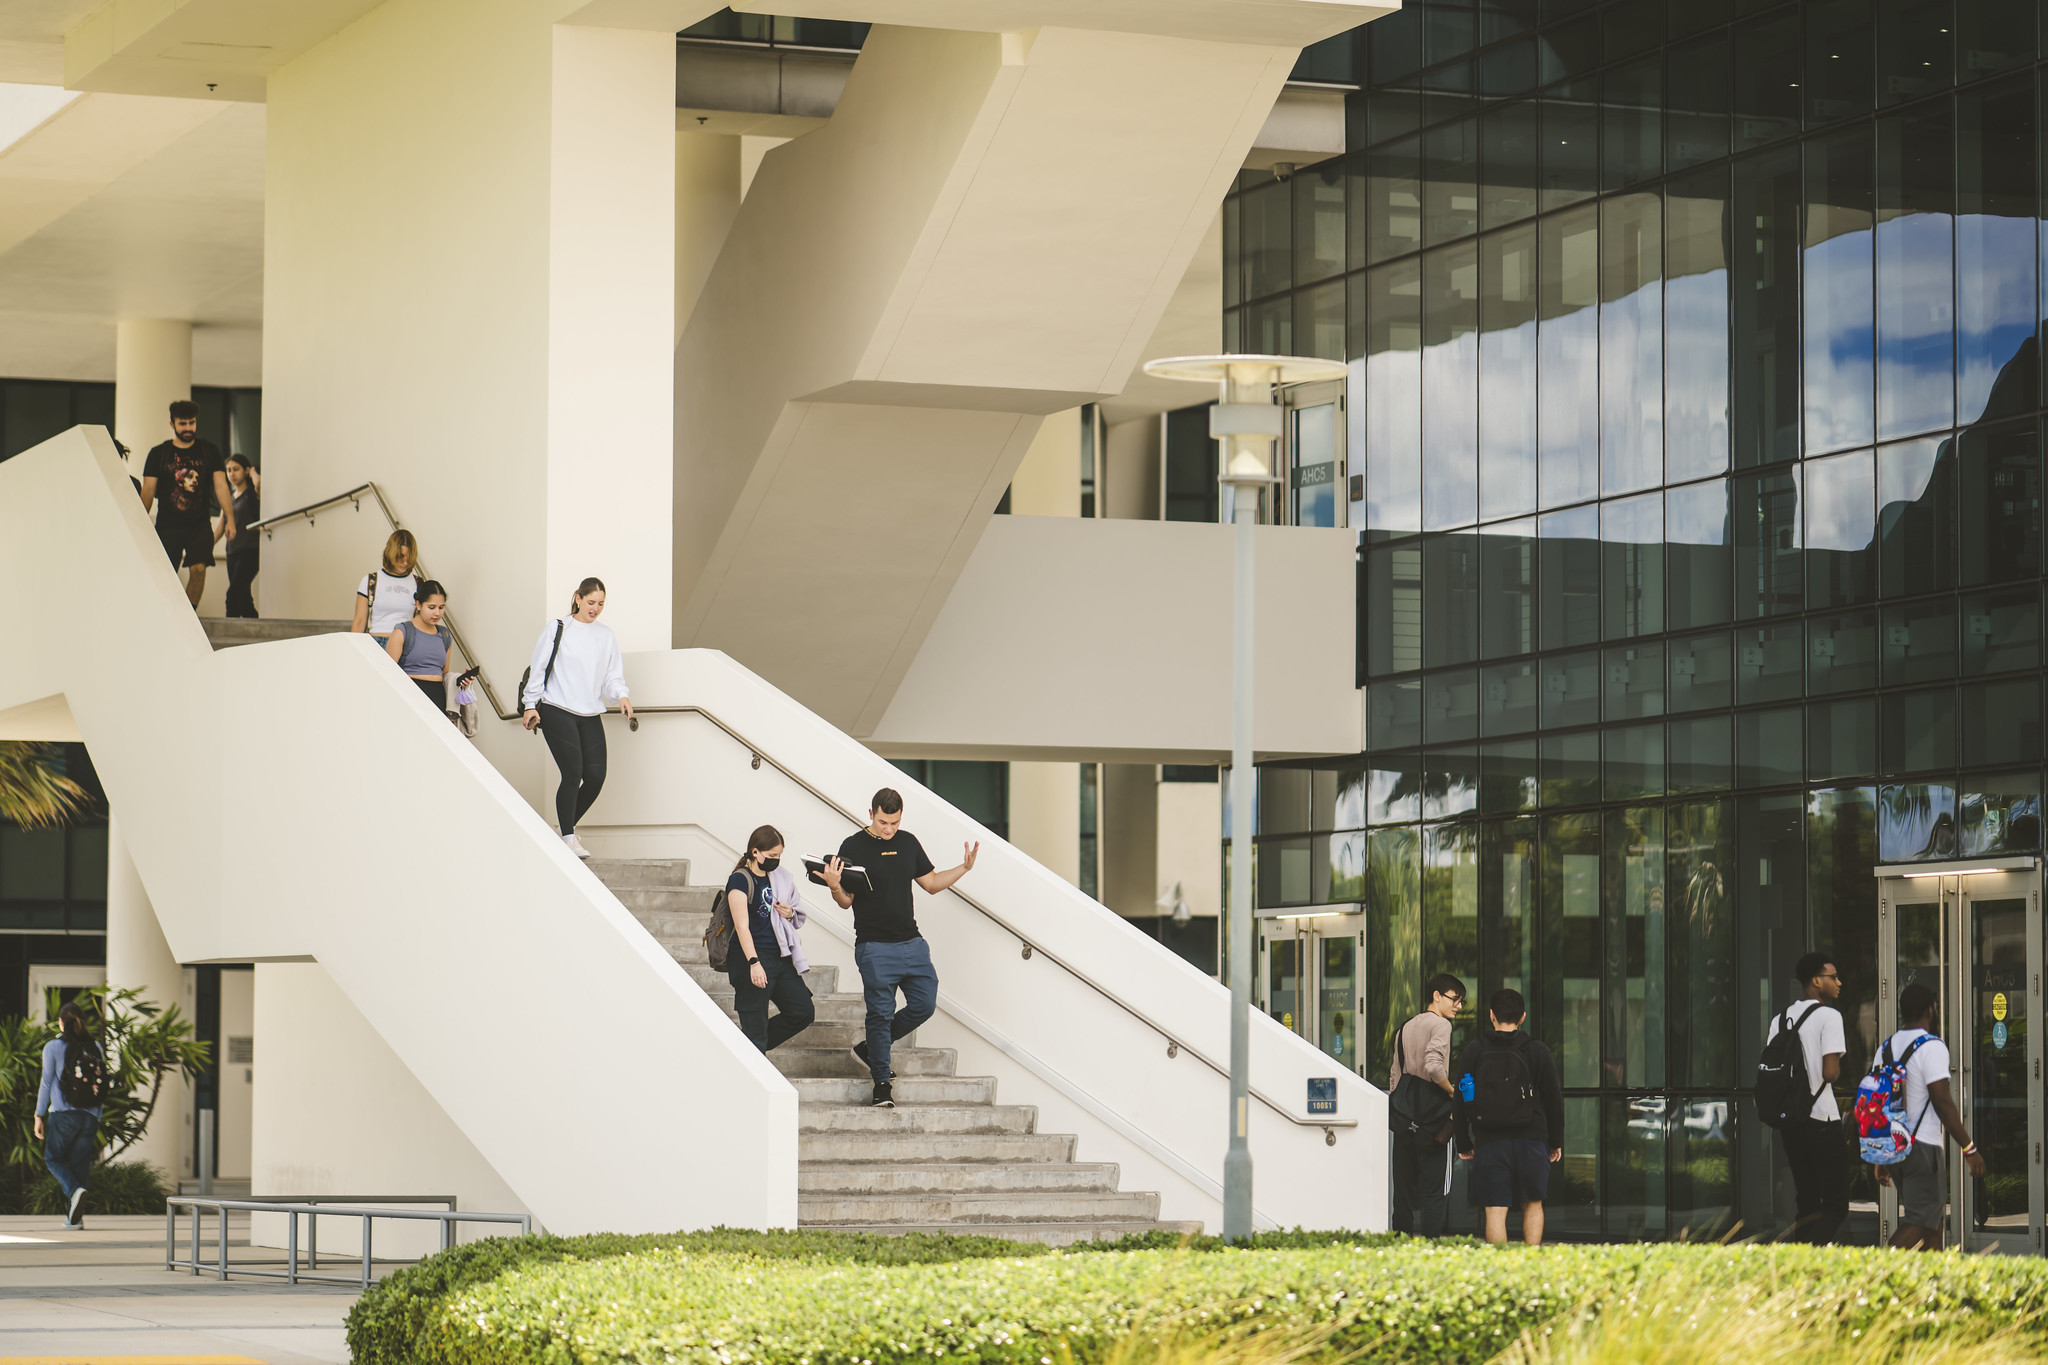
(1903, 1108)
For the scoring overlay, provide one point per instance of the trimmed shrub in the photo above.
(1386, 1301)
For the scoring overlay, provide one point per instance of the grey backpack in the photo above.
(718, 935)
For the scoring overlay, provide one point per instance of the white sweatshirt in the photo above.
(588, 670)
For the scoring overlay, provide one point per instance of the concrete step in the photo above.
(225, 633)
(880, 1151)
(967, 1207)
(798, 1058)
(640, 872)
(689, 902)
(916, 1118)
(906, 1089)
(969, 1177)
(823, 981)
(1050, 1234)
(844, 1026)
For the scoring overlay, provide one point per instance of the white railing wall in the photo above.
(1095, 1061)
(301, 801)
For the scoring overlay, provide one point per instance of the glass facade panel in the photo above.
(1766, 308)
(1507, 589)
(1915, 242)
(1393, 398)
(1568, 577)
(1696, 325)
(1995, 256)
(1450, 387)
(1698, 566)
(1841, 530)
(1835, 257)
(1916, 517)
(1702, 672)
(1632, 561)
(2000, 503)
(1631, 343)
(1568, 358)
(1507, 373)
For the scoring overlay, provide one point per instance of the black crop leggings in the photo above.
(577, 742)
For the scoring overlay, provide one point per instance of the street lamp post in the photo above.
(1246, 423)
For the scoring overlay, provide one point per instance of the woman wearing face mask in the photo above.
(766, 961)
(420, 646)
(247, 484)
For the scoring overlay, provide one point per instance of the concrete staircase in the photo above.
(947, 1158)
(227, 632)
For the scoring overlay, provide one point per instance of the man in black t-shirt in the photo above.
(890, 952)
(186, 476)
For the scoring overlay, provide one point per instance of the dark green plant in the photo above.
(146, 1044)
(116, 1187)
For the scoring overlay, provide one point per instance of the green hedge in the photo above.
(796, 1299)
(112, 1187)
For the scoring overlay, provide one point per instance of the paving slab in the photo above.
(103, 1296)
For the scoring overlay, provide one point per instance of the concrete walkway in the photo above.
(103, 1292)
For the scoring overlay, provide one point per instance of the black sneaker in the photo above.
(860, 1052)
(883, 1099)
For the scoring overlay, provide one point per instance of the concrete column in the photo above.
(1130, 838)
(1045, 815)
(469, 227)
(1133, 470)
(152, 370)
(138, 956)
(707, 197)
(1048, 482)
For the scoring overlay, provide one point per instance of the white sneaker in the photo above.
(575, 845)
(71, 1214)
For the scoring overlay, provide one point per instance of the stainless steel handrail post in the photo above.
(221, 1247)
(197, 1219)
(366, 1251)
(313, 1237)
(170, 1233)
(291, 1248)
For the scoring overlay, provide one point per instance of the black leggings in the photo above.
(577, 742)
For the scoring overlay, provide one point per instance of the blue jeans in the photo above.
(885, 968)
(67, 1148)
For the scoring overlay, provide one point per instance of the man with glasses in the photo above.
(1816, 1147)
(1419, 1109)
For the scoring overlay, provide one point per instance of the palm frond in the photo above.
(34, 792)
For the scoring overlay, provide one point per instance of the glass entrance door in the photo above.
(1976, 941)
(1315, 455)
(1309, 980)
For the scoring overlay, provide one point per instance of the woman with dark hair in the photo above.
(420, 646)
(576, 670)
(68, 1108)
(766, 961)
(247, 482)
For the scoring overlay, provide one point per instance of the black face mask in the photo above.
(770, 864)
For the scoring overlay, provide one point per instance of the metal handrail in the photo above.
(354, 496)
(1174, 1046)
(313, 1208)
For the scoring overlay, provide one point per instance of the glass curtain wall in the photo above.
(1697, 423)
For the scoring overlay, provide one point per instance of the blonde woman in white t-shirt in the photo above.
(576, 670)
(384, 598)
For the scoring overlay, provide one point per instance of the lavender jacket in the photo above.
(786, 937)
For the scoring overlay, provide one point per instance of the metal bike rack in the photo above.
(313, 1208)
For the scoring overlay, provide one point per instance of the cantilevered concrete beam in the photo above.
(986, 231)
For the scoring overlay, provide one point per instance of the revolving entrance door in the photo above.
(1973, 937)
(1309, 978)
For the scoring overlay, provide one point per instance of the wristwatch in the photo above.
(753, 962)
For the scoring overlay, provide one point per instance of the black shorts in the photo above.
(188, 546)
(1509, 1171)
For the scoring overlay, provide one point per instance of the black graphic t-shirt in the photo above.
(884, 915)
(760, 917)
(184, 482)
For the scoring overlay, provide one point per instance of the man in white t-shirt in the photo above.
(1816, 1147)
(1922, 1178)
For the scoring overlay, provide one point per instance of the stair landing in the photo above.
(947, 1158)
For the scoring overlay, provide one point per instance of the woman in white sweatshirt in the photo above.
(576, 669)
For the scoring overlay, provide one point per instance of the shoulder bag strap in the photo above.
(548, 676)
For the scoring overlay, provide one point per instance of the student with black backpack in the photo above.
(576, 670)
(68, 1106)
(1510, 1119)
(1795, 1094)
(1419, 1094)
